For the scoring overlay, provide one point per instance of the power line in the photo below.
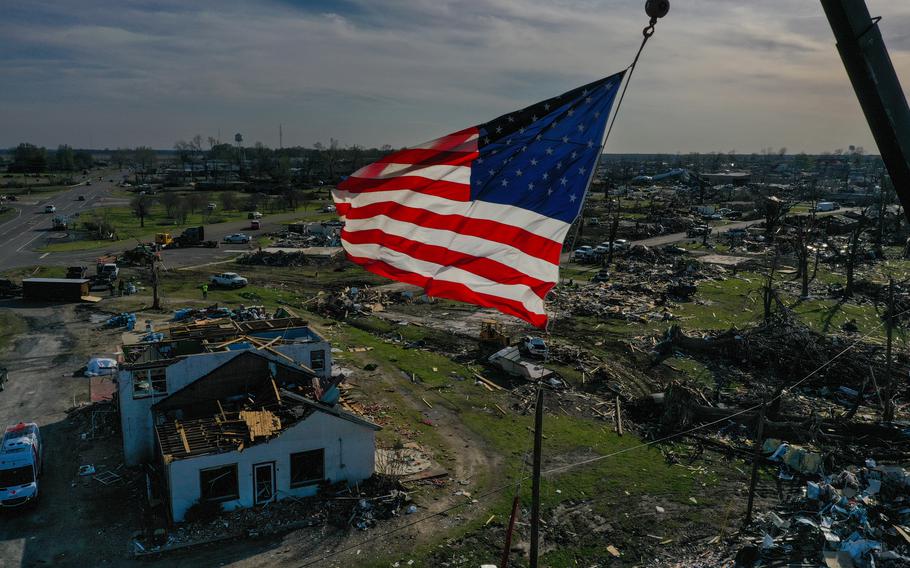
(602, 457)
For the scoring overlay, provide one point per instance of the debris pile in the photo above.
(125, 319)
(241, 313)
(360, 507)
(283, 258)
(858, 517)
(768, 347)
(642, 289)
(315, 234)
(351, 301)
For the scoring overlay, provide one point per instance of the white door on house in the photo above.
(264, 482)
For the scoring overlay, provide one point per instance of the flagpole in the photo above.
(656, 9)
(535, 481)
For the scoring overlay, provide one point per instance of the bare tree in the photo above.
(141, 206)
(775, 210)
(170, 201)
(184, 154)
(852, 251)
(196, 201)
(330, 156)
(181, 211)
(769, 294)
(229, 200)
(305, 199)
(355, 153)
(614, 228)
(804, 228)
(146, 159)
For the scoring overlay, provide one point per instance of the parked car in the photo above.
(211, 206)
(237, 238)
(254, 215)
(80, 198)
(583, 253)
(734, 215)
(328, 209)
(534, 347)
(50, 209)
(228, 280)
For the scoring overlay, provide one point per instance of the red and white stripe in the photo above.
(409, 217)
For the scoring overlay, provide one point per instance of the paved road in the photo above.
(21, 235)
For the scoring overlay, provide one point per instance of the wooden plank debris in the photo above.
(618, 416)
(489, 383)
(261, 423)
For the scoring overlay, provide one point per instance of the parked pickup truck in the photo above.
(20, 464)
(228, 280)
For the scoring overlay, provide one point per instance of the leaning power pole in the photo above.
(877, 87)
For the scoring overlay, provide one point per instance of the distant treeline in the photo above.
(30, 159)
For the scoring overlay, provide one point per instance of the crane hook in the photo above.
(656, 9)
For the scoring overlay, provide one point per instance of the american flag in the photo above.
(480, 215)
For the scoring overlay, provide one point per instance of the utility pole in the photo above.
(535, 484)
(156, 299)
(877, 87)
(756, 459)
(888, 411)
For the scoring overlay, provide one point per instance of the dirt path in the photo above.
(72, 524)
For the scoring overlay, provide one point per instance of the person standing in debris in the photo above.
(205, 291)
(120, 287)
(111, 287)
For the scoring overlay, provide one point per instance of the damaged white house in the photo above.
(241, 427)
(153, 370)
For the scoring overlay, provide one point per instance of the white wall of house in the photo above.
(136, 413)
(136, 418)
(349, 456)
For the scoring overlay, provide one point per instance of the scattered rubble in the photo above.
(643, 288)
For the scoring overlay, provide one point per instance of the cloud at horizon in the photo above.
(715, 77)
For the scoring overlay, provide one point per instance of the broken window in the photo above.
(218, 483)
(307, 468)
(149, 382)
(317, 360)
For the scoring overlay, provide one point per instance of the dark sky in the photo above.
(717, 76)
